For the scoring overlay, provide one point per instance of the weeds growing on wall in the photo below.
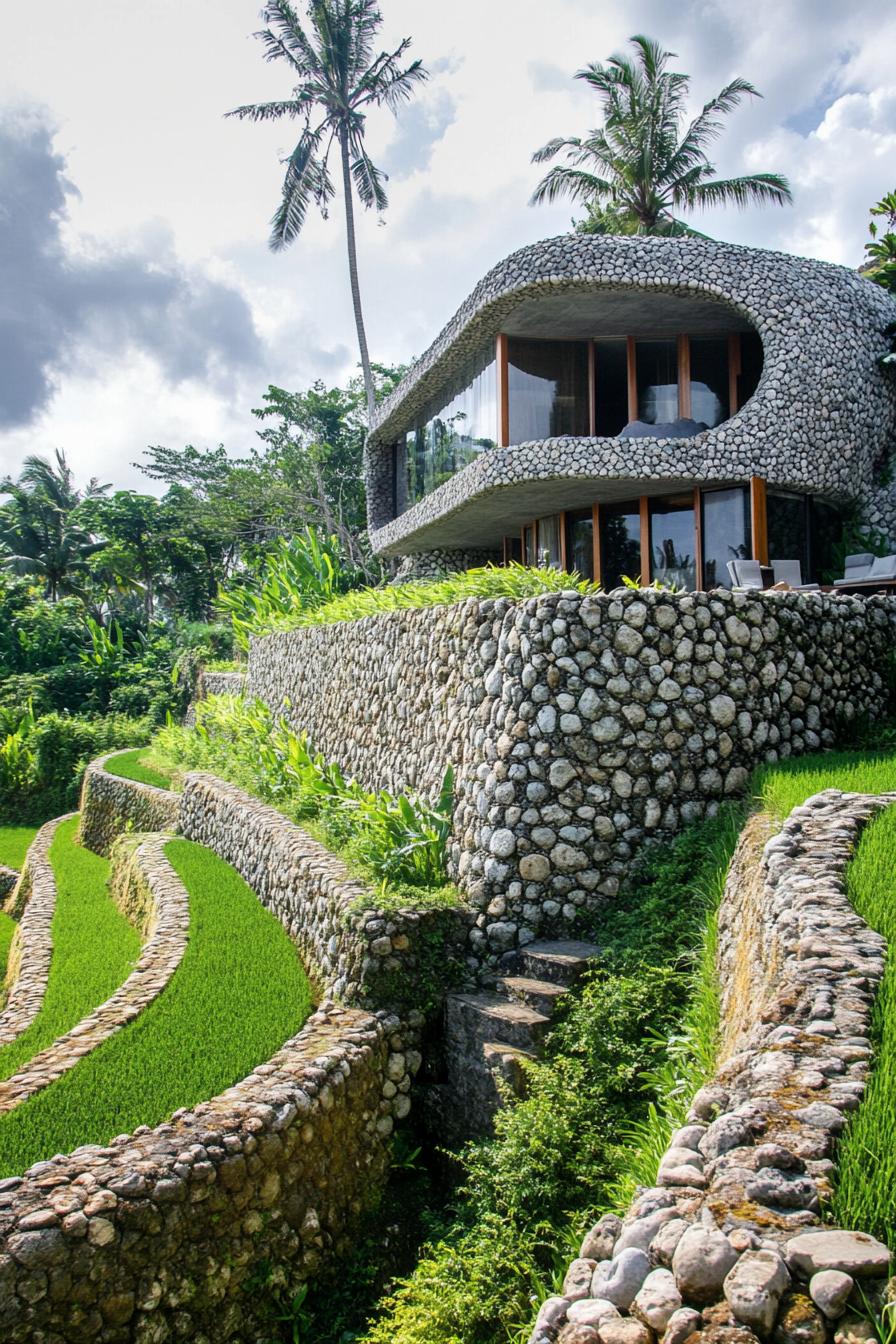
(396, 840)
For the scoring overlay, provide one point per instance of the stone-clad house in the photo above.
(641, 406)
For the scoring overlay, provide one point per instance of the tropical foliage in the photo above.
(881, 251)
(338, 78)
(644, 165)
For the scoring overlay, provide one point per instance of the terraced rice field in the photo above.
(94, 949)
(237, 996)
(14, 842)
(132, 765)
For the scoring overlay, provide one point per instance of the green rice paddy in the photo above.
(237, 996)
(94, 949)
(14, 842)
(132, 765)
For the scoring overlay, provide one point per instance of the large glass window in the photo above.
(673, 541)
(611, 387)
(580, 542)
(620, 543)
(549, 554)
(825, 534)
(547, 386)
(452, 432)
(726, 533)
(657, 378)
(788, 528)
(709, 379)
(750, 366)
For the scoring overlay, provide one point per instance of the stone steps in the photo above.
(490, 1035)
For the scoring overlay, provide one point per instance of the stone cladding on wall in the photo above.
(149, 893)
(32, 903)
(823, 413)
(110, 804)
(579, 728)
(159, 1234)
(350, 948)
(433, 564)
(731, 1236)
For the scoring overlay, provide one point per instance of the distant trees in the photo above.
(337, 79)
(41, 532)
(636, 172)
(881, 251)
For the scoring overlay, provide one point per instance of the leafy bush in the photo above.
(400, 841)
(298, 575)
(491, 581)
(42, 760)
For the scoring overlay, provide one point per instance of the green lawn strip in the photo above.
(238, 994)
(94, 949)
(786, 784)
(132, 765)
(865, 1187)
(14, 842)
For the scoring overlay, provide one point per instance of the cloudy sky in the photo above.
(138, 300)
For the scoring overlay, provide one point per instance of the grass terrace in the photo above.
(133, 765)
(94, 949)
(14, 842)
(238, 994)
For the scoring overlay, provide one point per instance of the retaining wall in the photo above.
(578, 727)
(162, 1234)
(732, 1235)
(32, 903)
(110, 805)
(349, 947)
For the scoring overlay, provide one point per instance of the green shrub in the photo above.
(298, 575)
(238, 994)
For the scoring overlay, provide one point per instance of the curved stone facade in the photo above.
(824, 411)
(111, 803)
(732, 1233)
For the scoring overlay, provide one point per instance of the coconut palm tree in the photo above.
(337, 77)
(641, 166)
(40, 531)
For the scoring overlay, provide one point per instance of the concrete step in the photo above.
(560, 962)
(542, 995)
(473, 1019)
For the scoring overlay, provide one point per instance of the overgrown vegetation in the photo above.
(237, 996)
(131, 765)
(398, 841)
(94, 949)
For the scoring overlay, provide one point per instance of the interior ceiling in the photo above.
(578, 316)
(503, 512)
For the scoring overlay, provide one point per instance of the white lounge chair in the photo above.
(746, 575)
(866, 571)
(856, 569)
(789, 572)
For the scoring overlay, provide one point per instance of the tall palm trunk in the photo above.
(353, 273)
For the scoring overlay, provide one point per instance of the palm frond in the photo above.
(368, 181)
(572, 183)
(553, 148)
(268, 111)
(765, 188)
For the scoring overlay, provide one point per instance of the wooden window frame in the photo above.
(684, 377)
(759, 518)
(646, 575)
(501, 363)
(698, 537)
(734, 372)
(592, 390)
(595, 542)
(632, 369)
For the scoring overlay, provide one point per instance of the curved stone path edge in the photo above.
(33, 903)
(729, 1243)
(169, 917)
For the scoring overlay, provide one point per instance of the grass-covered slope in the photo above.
(133, 765)
(94, 949)
(865, 1190)
(238, 994)
(14, 842)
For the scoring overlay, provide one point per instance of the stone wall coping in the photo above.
(102, 762)
(33, 903)
(108, 801)
(735, 1215)
(169, 919)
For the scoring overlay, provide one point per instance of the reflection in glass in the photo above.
(549, 542)
(453, 431)
(620, 543)
(580, 542)
(657, 379)
(672, 540)
(547, 388)
(788, 530)
(726, 533)
(611, 387)
(709, 379)
(529, 556)
(826, 533)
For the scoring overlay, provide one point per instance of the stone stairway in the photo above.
(489, 1034)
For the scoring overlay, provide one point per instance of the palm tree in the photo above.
(39, 528)
(639, 167)
(337, 78)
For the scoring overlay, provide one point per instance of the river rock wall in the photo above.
(579, 728)
(111, 805)
(731, 1237)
